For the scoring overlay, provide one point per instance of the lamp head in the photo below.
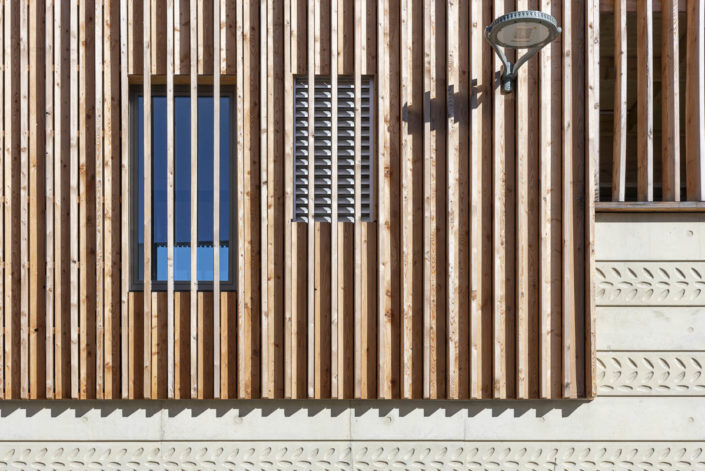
(520, 30)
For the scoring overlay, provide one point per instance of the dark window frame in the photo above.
(136, 284)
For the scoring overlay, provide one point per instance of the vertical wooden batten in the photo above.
(124, 208)
(619, 146)
(170, 33)
(216, 199)
(695, 102)
(670, 102)
(73, 198)
(458, 236)
(147, 263)
(99, 202)
(645, 101)
(193, 298)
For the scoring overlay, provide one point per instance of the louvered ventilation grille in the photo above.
(322, 147)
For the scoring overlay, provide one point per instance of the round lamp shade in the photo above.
(523, 30)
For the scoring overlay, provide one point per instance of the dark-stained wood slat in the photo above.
(670, 116)
(645, 101)
(695, 102)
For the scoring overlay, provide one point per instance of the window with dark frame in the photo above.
(182, 189)
(323, 164)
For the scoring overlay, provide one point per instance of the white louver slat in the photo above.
(323, 163)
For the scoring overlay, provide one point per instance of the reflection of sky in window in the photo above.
(182, 190)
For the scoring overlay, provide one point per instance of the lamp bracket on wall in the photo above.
(528, 29)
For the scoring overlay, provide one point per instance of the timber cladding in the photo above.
(472, 280)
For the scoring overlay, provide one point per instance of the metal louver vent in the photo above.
(323, 159)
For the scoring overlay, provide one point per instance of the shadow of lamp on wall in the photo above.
(529, 29)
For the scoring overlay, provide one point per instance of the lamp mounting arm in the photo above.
(510, 71)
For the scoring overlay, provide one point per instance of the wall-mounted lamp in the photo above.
(530, 30)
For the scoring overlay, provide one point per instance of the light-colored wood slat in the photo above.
(62, 348)
(275, 201)
(619, 143)
(592, 92)
(135, 34)
(458, 340)
(264, 148)
(569, 313)
(113, 360)
(11, 110)
(645, 101)
(124, 209)
(193, 299)
(533, 350)
(249, 242)
(310, 66)
(216, 198)
(73, 198)
(480, 206)
(48, 199)
(695, 102)
(412, 292)
(503, 154)
(670, 118)
(322, 332)
(36, 191)
(335, 283)
(2, 213)
(288, 195)
(170, 59)
(435, 295)
(296, 283)
(110, 202)
(24, 199)
(389, 102)
(98, 39)
(240, 143)
(348, 333)
(86, 201)
(522, 219)
(550, 207)
(147, 263)
(205, 345)
(135, 344)
(545, 212)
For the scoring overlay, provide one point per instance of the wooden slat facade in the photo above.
(471, 281)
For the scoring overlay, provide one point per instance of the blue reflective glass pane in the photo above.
(182, 196)
(159, 191)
